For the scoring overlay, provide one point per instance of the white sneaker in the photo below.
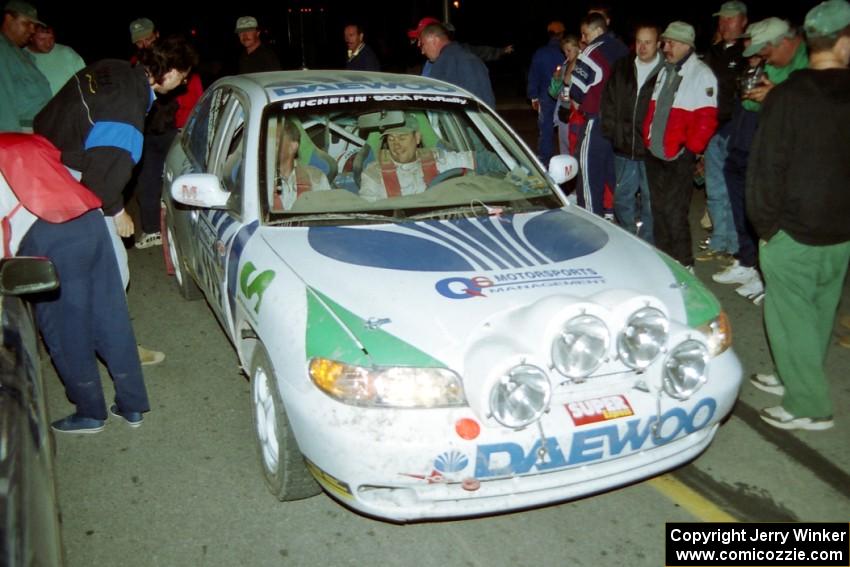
(148, 357)
(148, 240)
(752, 290)
(735, 274)
(768, 383)
(778, 416)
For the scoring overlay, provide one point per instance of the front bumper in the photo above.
(413, 464)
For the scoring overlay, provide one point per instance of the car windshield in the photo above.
(379, 158)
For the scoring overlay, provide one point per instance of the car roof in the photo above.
(285, 85)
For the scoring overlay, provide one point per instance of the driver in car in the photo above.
(403, 168)
(293, 178)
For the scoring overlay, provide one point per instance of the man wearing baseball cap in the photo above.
(143, 33)
(681, 119)
(798, 202)
(726, 60)
(24, 90)
(256, 58)
(783, 51)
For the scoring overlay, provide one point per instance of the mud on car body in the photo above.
(473, 346)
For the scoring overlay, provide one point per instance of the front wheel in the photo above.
(283, 464)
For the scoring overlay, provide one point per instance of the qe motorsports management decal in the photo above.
(465, 288)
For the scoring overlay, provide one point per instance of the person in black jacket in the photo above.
(361, 57)
(727, 61)
(798, 203)
(625, 100)
(256, 57)
(97, 120)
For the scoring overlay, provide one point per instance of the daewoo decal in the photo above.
(585, 446)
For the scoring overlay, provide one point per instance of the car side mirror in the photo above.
(25, 274)
(562, 168)
(201, 190)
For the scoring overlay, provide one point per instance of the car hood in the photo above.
(436, 284)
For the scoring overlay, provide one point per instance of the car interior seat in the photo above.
(311, 154)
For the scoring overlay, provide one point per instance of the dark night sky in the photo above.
(103, 32)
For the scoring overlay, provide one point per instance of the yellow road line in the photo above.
(690, 500)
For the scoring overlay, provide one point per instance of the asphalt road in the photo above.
(185, 489)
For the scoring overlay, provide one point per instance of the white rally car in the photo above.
(469, 343)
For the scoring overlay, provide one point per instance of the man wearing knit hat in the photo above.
(682, 118)
(798, 202)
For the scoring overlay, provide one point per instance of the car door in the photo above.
(214, 231)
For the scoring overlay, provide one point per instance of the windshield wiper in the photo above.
(299, 218)
(477, 209)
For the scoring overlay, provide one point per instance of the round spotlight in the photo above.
(643, 337)
(521, 396)
(685, 369)
(580, 346)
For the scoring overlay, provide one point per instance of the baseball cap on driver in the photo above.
(409, 126)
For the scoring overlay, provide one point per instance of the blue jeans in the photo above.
(724, 237)
(545, 130)
(631, 180)
(87, 316)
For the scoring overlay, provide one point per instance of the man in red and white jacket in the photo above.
(681, 120)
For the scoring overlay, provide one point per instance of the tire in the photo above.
(185, 284)
(283, 464)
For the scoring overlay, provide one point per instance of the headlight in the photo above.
(521, 396)
(395, 386)
(718, 333)
(643, 337)
(685, 369)
(580, 346)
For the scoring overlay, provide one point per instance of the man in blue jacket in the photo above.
(543, 64)
(454, 64)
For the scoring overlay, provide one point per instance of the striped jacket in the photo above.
(693, 117)
(591, 72)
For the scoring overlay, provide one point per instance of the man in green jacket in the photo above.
(23, 89)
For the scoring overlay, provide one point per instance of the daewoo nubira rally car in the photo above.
(430, 329)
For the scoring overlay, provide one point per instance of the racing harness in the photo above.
(427, 161)
(302, 184)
